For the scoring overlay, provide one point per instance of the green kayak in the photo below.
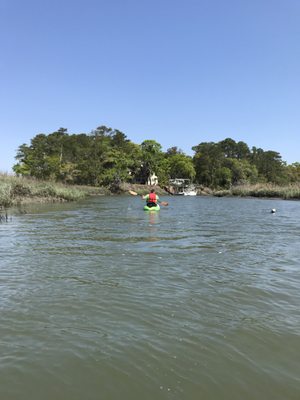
(154, 208)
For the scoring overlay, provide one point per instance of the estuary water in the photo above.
(101, 300)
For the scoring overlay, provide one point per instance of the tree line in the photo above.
(106, 156)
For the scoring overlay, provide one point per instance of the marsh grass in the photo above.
(16, 190)
(262, 190)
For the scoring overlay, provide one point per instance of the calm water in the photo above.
(101, 300)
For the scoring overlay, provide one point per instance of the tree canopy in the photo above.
(105, 156)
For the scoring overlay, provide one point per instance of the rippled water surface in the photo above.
(101, 300)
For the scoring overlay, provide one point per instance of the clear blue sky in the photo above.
(180, 72)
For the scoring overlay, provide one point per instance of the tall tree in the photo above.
(293, 172)
(151, 157)
(181, 166)
(269, 165)
(207, 160)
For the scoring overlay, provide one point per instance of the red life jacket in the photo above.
(152, 198)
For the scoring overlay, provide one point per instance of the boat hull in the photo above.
(155, 208)
(191, 193)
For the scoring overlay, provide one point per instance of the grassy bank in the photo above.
(265, 190)
(290, 192)
(15, 190)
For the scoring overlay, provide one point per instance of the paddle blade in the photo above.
(132, 193)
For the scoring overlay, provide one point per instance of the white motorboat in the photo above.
(183, 187)
(188, 191)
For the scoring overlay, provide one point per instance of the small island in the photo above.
(67, 167)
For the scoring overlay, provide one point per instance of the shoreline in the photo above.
(17, 191)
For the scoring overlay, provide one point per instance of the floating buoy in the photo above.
(273, 210)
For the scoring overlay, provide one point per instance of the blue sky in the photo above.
(179, 72)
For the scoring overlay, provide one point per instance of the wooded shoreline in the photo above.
(18, 191)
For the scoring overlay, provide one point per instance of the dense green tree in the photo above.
(173, 150)
(242, 151)
(228, 147)
(269, 165)
(210, 159)
(151, 152)
(23, 158)
(223, 177)
(181, 166)
(163, 171)
(106, 156)
(38, 159)
(119, 139)
(207, 160)
(232, 149)
(293, 172)
(241, 171)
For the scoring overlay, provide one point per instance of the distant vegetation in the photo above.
(14, 190)
(289, 192)
(105, 157)
(62, 166)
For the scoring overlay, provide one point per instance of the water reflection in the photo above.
(153, 218)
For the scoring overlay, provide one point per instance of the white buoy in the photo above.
(273, 210)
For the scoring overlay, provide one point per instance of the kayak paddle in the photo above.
(163, 203)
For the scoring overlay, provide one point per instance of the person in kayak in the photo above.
(152, 198)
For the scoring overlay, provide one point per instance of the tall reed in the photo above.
(15, 190)
(262, 190)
